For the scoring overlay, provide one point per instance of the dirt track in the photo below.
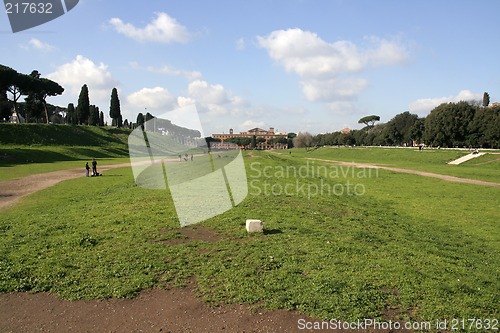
(413, 172)
(12, 190)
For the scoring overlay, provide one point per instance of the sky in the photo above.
(295, 65)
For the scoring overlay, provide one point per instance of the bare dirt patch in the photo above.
(154, 310)
(193, 233)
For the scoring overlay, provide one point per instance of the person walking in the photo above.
(94, 167)
(87, 169)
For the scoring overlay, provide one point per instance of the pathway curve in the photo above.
(413, 172)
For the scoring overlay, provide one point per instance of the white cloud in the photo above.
(39, 45)
(158, 99)
(162, 29)
(73, 75)
(342, 108)
(185, 101)
(249, 124)
(425, 105)
(385, 53)
(207, 94)
(326, 90)
(327, 69)
(214, 102)
(170, 71)
(215, 99)
(240, 44)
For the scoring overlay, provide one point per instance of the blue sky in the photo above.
(297, 65)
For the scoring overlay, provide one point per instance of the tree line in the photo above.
(461, 124)
(86, 114)
(35, 109)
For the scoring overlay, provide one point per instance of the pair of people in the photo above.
(94, 168)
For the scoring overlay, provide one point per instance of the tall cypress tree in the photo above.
(71, 114)
(486, 99)
(83, 107)
(140, 120)
(114, 108)
(94, 115)
(101, 118)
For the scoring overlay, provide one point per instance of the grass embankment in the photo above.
(406, 245)
(486, 167)
(36, 148)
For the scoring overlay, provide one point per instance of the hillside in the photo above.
(42, 143)
(62, 135)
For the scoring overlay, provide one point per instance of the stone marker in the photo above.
(255, 226)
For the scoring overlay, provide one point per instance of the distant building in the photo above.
(259, 134)
(346, 130)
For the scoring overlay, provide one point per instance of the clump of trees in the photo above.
(35, 88)
(460, 124)
(239, 141)
(303, 140)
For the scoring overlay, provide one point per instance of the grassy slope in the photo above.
(57, 135)
(417, 246)
(36, 148)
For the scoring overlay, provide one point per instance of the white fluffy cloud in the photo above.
(39, 45)
(185, 101)
(212, 99)
(207, 94)
(162, 29)
(424, 105)
(157, 98)
(249, 124)
(240, 44)
(327, 69)
(73, 75)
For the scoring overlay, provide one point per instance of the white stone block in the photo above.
(255, 226)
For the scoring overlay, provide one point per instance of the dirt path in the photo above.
(154, 310)
(413, 172)
(13, 190)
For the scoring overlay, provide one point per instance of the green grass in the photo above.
(415, 247)
(430, 160)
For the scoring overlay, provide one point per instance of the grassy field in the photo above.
(339, 243)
